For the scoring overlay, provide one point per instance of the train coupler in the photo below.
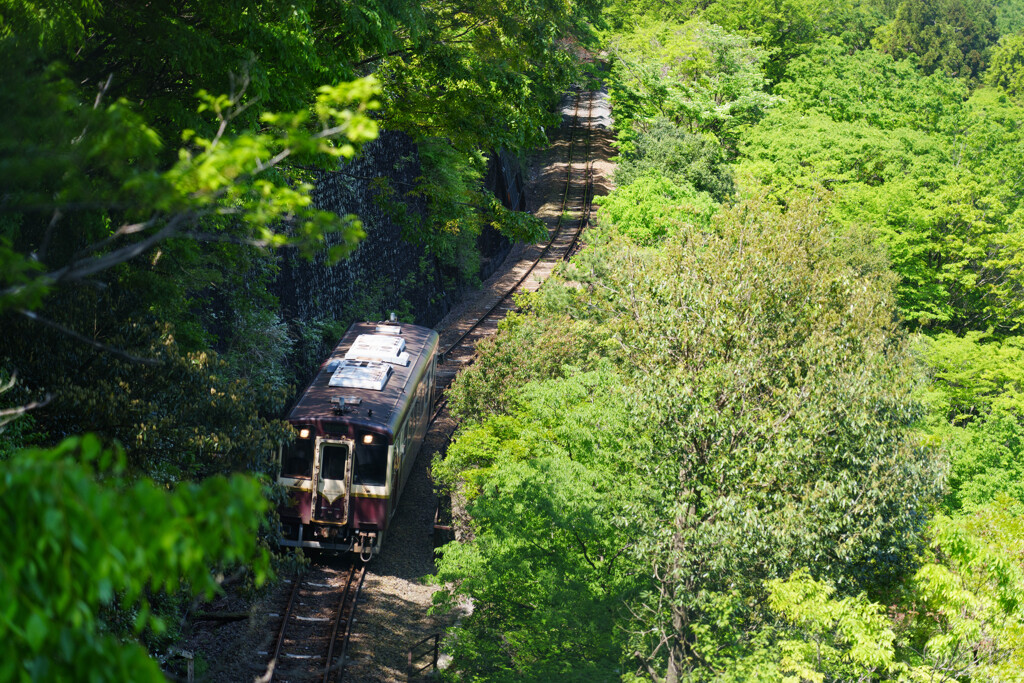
(366, 545)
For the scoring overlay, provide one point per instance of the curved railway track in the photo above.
(562, 244)
(315, 626)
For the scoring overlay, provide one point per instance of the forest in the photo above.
(767, 425)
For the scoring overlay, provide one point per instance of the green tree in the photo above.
(958, 619)
(950, 36)
(81, 536)
(132, 203)
(482, 74)
(977, 414)
(565, 342)
(477, 76)
(976, 374)
(545, 488)
(768, 393)
(932, 176)
(698, 76)
(845, 638)
(653, 207)
(158, 55)
(985, 463)
(969, 619)
(1009, 16)
(869, 86)
(688, 159)
(766, 400)
(785, 27)
(1006, 69)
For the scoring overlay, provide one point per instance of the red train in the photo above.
(358, 425)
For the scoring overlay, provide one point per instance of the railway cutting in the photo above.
(344, 620)
(394, 617)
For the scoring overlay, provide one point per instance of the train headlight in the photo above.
(303, 433)
(368, 438)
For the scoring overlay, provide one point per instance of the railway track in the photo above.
(564, 241)
(573, 217)
(315, 626)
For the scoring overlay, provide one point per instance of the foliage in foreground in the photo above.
(80, 537)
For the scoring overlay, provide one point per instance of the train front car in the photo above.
(358, 425)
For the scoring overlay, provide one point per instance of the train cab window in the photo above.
(332, 461)
(371, 461)
(297, 459)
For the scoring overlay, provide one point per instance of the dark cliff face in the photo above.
(385, 272)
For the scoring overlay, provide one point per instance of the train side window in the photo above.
(401, 440)
(332, 461)
(400, 443)
(297, 459)
(371, 462)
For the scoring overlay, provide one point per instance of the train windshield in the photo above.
(371, 461)
(297, 459)
(332, 461)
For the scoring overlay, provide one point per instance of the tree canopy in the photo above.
(791, 347)
(758, 412)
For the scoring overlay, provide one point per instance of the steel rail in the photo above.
(343, 621)
(588, 188)
(551, 241)
(272, 667)
(349, 598)
(584, 220)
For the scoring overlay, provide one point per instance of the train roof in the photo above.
(368, 378)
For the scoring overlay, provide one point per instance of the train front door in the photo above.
(332, 476)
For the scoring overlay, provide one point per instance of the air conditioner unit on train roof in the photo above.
(383, 347)
(361, 374)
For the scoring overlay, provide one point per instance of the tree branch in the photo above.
(8, 415)
(91, 342)
(409, 48)
(80, 270)
(230, 239)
